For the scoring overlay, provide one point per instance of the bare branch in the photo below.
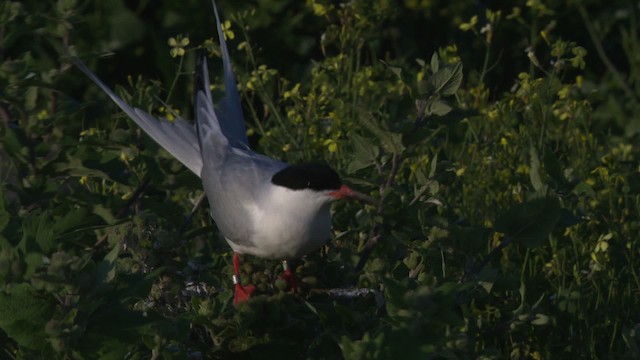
(374, 235)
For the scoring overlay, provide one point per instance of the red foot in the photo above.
(242, 293)
(289, 278)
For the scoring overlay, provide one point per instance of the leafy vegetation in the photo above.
(501, 143)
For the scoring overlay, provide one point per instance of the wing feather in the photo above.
(230, 111)
(178, 137)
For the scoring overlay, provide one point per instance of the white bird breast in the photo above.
(288, 225)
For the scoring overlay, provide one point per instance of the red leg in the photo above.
(292, 282)
(242, 293)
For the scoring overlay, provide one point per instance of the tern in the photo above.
(261, 206)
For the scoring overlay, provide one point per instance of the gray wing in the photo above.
(177, 137)
(241, 180)
(233, 175)
(230, 111)
(211, 138)
(223, 127)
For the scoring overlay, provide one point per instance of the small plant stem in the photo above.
(374, 235)
(175, 80)
(485, 64)
(476, 268)
(136, 195)
(193, 212)
(266, 99)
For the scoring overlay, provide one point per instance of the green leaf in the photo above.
(110, 261)
(534, 173)
(438, 107)
(435, 64)
(74, 167)
(487, 279)
(37, 229)
(75, 219)
(364, 153)
(13, 145)
(9, 10)
(540, 319)
(396, 70)
(30, 98)
(104, 272)
(23, 315)
(390, 141)
(447, 79)
(433, 166)
(33, 261)
(584, 189)
(532, 221)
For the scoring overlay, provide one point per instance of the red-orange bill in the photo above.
(347, 193)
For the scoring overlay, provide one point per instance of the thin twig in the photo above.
(421, 107)
(4, 114)
(416, 271)
(420, 193)
(374, 235)
(193, 212)
(349, 293)
(476, 268)
(136, 194)
(100, 240)
(366, 252)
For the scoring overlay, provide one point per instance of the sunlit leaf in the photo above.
(540, 320)
(447, 79)
(435, 64)
(390, 141)
(364, 155)
(534, 173)
(439, 108)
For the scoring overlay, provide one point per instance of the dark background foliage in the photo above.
(498, 137)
